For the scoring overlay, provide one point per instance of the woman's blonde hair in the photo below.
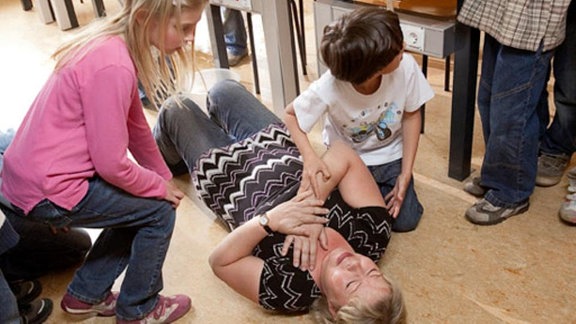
(160, 74)
(388, 309)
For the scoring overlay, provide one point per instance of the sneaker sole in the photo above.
(547, 182)
(498, 220)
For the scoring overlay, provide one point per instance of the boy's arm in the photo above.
(313, 164)
(411, 125)
(298, 135)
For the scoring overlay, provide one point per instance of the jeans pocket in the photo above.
(49, 213)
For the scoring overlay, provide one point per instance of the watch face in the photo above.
(263, 220)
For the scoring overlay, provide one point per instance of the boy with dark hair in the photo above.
(370, 98)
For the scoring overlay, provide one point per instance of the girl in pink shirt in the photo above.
(68, 165)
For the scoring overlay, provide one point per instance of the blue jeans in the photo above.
(411, 210)
(40, 251)
(9, 312)
(509, 93)
(234, 32)
(560, 137)
(136, 235)
(184, 133)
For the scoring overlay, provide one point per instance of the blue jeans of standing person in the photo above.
(560, 137)
(234, 32)
(135, 237)
(411, 210)
(511, 84)
(184, 133)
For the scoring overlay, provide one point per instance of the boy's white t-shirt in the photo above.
(371, 124)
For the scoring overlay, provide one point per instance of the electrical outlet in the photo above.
(245, 5)
(413, 37)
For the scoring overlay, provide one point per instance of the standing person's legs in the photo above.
(136, 237)
(508, 110)
(559, 141)
(237, 111)
(411, 210)
(235, 36)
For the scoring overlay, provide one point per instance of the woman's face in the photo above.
(347, 274)
(174, 37)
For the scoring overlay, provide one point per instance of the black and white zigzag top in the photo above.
(247, 178)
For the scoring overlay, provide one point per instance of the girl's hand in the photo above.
(173, 194)
(312, 166)
(288, 217)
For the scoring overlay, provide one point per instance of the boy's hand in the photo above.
(395, 198)
(312, 166)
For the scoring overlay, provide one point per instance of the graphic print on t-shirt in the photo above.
(381, 127)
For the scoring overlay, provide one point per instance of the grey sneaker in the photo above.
(568, 210)
(484, 213)
(550, 169)
(474, 188)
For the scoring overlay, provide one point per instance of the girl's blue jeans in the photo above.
(135, 238)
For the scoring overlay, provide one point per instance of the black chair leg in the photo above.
(253, 53)
(26, 4)
(447, 74)
(298, 18)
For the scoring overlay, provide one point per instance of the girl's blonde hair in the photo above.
(389, 309)
(160, 74)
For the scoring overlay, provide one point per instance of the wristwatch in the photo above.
(264, 221)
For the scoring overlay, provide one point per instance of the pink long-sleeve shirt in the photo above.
(83, 123)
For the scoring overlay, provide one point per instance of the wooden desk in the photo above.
(439, 9)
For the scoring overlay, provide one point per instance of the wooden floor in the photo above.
(521, 271)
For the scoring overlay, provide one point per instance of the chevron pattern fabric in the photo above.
(239, 180)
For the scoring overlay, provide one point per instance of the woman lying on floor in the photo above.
(287, 250)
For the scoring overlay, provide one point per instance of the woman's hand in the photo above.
(395, 198)
(312, 166)
(288, 217)
(304, 252)
(173, 194)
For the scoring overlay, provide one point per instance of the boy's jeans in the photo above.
(411, 210)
